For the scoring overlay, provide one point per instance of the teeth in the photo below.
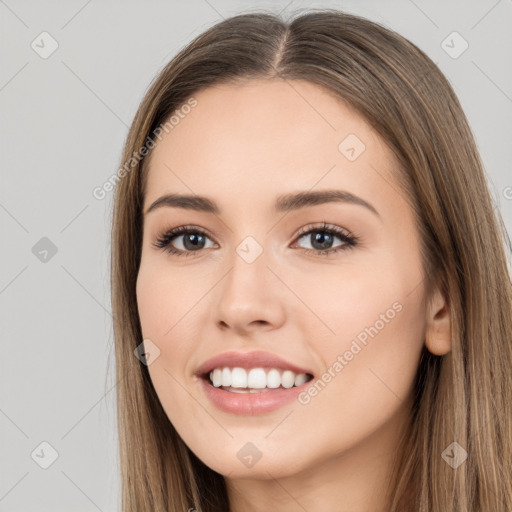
(256, 378)
(300, 379)
(273, 379)
(287, 379)
(238, 378)
(216, 377)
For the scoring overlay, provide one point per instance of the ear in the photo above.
(437, 336)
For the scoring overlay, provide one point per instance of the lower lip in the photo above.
(251, 404)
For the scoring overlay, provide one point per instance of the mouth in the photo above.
(252, 383)
(252, 398)
(254, 380)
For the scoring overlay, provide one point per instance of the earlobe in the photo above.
(437, 336)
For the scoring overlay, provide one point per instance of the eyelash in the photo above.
(350, 241)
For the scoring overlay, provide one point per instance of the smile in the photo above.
(246, 395)
(254, 380)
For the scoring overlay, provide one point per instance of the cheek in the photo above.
(166, 297)
(162, 306)
(169, 312)
(151, 303)
(372, 324)
(159, 313)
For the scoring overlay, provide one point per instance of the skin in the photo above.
(242, 146)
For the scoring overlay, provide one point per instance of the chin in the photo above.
(247, 462)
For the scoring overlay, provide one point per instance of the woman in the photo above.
(307, 264)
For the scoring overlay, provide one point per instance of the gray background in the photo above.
(62, 125)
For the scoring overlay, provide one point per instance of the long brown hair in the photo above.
(464, 396)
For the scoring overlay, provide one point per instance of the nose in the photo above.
(251, 297)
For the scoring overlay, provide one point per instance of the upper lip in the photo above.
(248, 360)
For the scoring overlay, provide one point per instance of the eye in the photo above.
(193, 240)
(321, 239)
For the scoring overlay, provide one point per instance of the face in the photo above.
(331, 286)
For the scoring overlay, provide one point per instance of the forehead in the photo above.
(262, 138)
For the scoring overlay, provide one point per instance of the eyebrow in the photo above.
(284, 203)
